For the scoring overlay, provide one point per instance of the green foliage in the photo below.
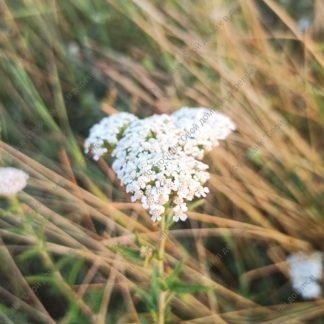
(129, 253)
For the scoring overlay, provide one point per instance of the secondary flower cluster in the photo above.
(12, 181)
(105, 135)
(203, 129)
(157, 159)
(306, 273)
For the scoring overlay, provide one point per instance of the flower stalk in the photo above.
(161, 253)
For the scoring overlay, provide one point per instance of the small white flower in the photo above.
(304, 24)
(12, 181)
(306, 272)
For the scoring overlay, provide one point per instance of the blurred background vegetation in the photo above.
(70, 249)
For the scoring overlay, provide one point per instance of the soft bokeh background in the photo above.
(70, 249)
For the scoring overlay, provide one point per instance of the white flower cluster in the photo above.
(203, 129)
(153, 173)
(12, 181)
(105, 135)
(306, 272)
(155, 159)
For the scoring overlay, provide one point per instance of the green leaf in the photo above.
(74, 272)
(146, 297)
(94, 298)
(30, 253)
(196, 204)
(174, 276)
(184, 288)
(138, 240)
(151, 296)
(127, 252)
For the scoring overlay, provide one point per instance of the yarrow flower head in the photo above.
(155, 161)
(306, 272)
(12, 181)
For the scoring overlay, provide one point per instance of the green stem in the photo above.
(162, 294)
(14, 204)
